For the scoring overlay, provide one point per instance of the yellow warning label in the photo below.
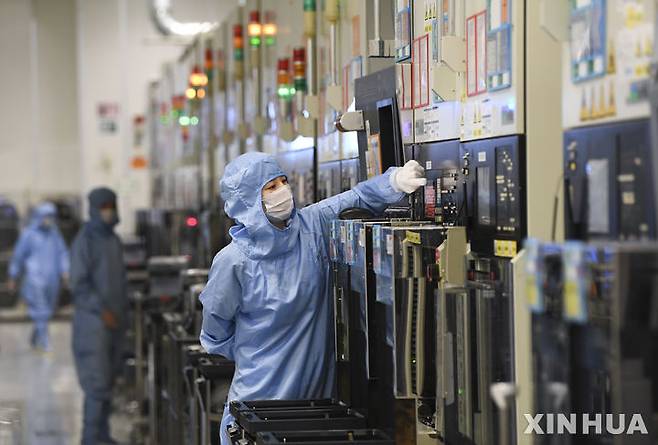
(413, 237)
(505, 248)
(572, 305)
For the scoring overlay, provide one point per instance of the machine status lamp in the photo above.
(195, 93)
(197, 81)
(198, 78)
(177, 104)
(208, 64)
(221, 64)
(238, 43)
(164, 113)
(309, 18)
(299, 69)
(186, 121)
(254, 29)
(269, 29)
(284, 89)
(309, 5)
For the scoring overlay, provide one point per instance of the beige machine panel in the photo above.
(606, 61)
(522, 350)
(438, 65)
(543, 122)
(492, 99)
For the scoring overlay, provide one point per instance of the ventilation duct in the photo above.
(169, 26)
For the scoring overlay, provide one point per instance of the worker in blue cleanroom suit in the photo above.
(42, 259)
(267, 302)
(98, 283)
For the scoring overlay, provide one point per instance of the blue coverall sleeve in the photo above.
(221, 301)
(375, 194)
(82, 284)
(21, 252)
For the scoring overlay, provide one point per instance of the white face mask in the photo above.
(279, 204)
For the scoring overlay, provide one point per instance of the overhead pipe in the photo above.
(169, 26)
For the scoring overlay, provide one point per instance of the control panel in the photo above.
(441, 199)
(608, 185)
(493, 180)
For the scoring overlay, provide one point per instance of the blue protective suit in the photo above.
(98, 283)
(267, 303)
(41, 257)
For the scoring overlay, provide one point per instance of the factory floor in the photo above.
(40, 399)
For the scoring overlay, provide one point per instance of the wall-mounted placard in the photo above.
(476, 43)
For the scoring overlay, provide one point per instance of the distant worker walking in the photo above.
(41, 260)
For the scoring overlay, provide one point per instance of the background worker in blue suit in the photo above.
(267, 302)
(42, 259)
(98, 283)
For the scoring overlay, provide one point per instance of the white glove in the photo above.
(408, 178)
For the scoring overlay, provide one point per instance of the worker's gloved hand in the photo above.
(408, 178)
(109, 319)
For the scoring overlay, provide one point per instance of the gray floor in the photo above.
(41, 392)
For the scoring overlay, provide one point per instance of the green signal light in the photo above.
(283, 91)
(184, 121)
(309, 5)
(300, 84)
(254, 41)
(270, 41)
(460, 392)
(194, 120)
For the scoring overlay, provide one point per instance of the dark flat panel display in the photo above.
(609, 187)
(493, 182)
(375, 95)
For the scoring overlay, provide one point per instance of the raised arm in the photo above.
(221, 301)
(374, 194)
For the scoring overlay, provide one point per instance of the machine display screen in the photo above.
(598, 198)
(484, 195)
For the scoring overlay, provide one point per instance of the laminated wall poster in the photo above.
(420, 72)
(476, 81)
